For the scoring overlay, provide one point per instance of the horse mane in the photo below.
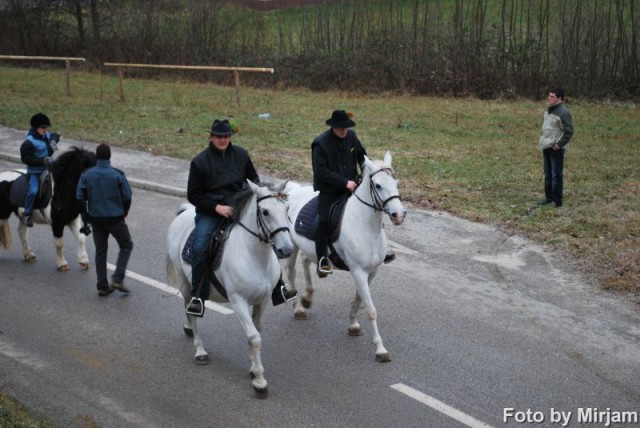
(241, 198)
(71, 163)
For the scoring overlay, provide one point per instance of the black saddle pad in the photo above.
(20, 185)
(307, 220)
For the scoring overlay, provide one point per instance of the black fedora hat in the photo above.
(221, 128)
(340, 119)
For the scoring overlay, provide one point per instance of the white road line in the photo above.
(20, 356)
(440, 406)
(170, 290)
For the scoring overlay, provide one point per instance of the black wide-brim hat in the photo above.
(221, 128)
(340, 119)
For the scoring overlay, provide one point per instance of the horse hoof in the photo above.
(188, 331)
(383, 358)
(261, 392)
(63, 268)
(84, 266)
(306, 303)
(30, 258)
(356, 331)
(300, 315)
(202, 360)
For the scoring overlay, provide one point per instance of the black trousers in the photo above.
(325, 200)
(101, 233)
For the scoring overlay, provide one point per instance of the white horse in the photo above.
(362, 243)
(60, 212)
(249, 268)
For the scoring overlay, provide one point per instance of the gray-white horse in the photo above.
(249, 268)
(362, 243)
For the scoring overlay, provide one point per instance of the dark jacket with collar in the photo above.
(215, 177)
(107, 191)
(335, 161)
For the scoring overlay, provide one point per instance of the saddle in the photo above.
(20, 186)
(307, 225)
(216, 249)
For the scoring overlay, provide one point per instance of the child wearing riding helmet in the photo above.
(36, 152)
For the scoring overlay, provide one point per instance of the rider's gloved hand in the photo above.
(55, 137)
(48, 161)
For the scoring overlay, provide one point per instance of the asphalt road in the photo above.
(482, 328)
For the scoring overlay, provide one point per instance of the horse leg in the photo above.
(362, 281)
(242, 311)
(23, 233)
(81, 251)
(354, 326)
(304, 302)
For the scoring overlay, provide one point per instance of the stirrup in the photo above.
(324, 271)
(282, 294)
(195, 311)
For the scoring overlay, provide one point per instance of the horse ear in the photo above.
(254, 187)
(387, 159)
(280, 188)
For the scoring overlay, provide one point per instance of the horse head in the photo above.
(383, 187)
(272, 217)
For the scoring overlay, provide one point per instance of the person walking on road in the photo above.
(107, 193)
(36, 152)
(556, 132)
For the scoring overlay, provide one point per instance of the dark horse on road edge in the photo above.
(62, 209)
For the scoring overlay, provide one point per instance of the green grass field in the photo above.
(475, 159)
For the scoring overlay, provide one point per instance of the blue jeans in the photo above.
(32, 192)
(553, 180)
(206, 225)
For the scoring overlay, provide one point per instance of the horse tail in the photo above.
(5, 236)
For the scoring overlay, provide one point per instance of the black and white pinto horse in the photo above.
(361, 245)
(62, 209)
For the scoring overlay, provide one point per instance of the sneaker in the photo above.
(545, 202)
(391, 256)
(324, 267)
(281, 294)
(26, 220)
(105, 291)
(120, 287)
(195, 307)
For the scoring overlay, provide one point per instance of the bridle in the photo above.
(378, 203)
(264, 233)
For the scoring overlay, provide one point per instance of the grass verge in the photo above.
(476, 159)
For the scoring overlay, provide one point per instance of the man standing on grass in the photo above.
(557, 130)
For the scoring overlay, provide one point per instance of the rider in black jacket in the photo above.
(216, 174)
(336, 155)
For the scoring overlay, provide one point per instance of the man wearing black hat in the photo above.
(216, 174)
(336, 155)
(36, 152)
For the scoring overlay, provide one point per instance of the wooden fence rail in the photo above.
(236, 72)
(67, 61)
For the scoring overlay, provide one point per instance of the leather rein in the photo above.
(264, 233)
(378, 203)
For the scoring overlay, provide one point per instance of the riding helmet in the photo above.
(40, 120)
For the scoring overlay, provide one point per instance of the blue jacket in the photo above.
(33, 151)
(107, 192)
